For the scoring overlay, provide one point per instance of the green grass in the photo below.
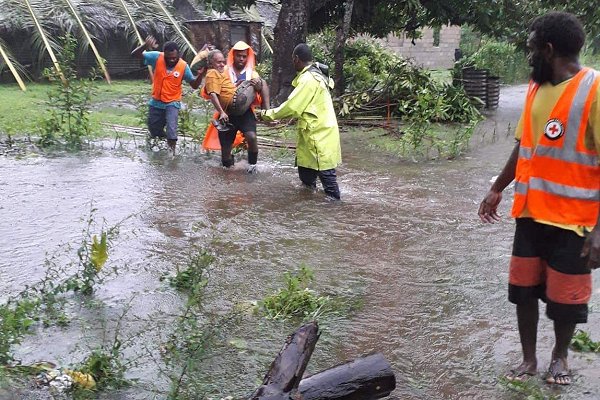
(21, 112)
(590, 60)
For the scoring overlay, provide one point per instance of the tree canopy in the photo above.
(505, 19)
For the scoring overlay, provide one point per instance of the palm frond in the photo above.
(89, 40)
(32, 13)
(11, 65)
(175, 26)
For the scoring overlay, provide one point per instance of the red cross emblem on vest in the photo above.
(554, 129)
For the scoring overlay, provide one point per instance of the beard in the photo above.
(541, 72)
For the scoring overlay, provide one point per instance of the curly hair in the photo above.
(563, 30)
(171, 46)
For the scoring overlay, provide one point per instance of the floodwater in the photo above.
(405, 239)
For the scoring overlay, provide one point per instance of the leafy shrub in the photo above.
(69, 102)
(296, 299)
(384, 84)
(582, 341)
(194, 277)
(512, 69)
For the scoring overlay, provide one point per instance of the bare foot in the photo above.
(558, 372)
(523, 372)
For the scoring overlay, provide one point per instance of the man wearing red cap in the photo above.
(241, 62)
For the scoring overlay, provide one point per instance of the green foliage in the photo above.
(528, 389)
(194, 278)
(195, 333)
(380, 82)
(16, 317)
(69, 102)
(383, 84)
(512, 69)
(189, 123)
(44, 302)
(470, 40)
(92, 256)
(296, 299)
(106, 366)
(264, 68)
(590, 59)
(582, 341)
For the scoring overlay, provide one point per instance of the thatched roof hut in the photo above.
(113, 32)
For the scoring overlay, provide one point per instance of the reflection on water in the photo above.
(406, 236)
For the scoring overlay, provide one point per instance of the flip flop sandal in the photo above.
(519, 376)
(552, 377)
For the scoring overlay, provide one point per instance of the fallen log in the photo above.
(285, 373)
(366, 378)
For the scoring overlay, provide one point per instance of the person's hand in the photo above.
(223, 117)
(151, 42)
(258, 113)
(256, 84)
(591, 249)
(201, 71)
(488, 209)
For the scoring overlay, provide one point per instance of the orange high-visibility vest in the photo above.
(167, 85)
(558, 180)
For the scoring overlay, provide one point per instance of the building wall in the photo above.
(423, 52)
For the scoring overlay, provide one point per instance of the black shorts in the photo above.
(546, 264)
(245, 122)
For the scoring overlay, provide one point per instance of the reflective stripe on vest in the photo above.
(167, 85)
(559, 179)
(570, 192)
(568, 151)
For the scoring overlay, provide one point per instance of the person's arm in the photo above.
(488, 209)
(196, 80)
(214, 99)
(265, 95)
(212, 86)
(261, 88)
(295, 104)
(149, 44)
(591, 246)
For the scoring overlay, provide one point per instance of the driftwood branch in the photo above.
(286, 371)
(366, 378)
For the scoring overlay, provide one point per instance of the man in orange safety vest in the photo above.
(556, 170)
(169, 73)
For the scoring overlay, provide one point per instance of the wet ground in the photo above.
(405, 238)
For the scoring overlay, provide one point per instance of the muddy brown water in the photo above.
(406, 239)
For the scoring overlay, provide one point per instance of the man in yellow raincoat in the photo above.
(318, 150)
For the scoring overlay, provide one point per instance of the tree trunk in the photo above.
(283, 378)
(342, 32)
(290, 30)
(365, 378)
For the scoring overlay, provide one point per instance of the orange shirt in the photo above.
(220, 84)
